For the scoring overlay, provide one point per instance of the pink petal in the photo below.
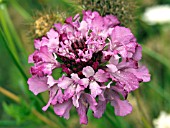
(95, 88)
(52, 94)
(101, 76)
(42, 70)
(46, 55)
(88, 71)
(39, 43)
(51, 81)
(30, 58)
(37, 84)
(122, 35)
(127, 79)
(75, 99)
(75, 77)
(52, 34)
(69, 92)
(114, 60)
(79, 88)
(63, 109)
(90, 100)
(120, 89)
(84, 101)
(100, 108)
(112, 68)
(58, 98)
(121, 108)
(111, 20)
(138, 53)
(84, 82)
(64, 82)
(141, 73)
(83, 27)
(82, 111)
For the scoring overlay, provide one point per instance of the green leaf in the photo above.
(5, 123)
(21, 113)
(57, 73)
(163, 60)
(20, 9)
(13, 55)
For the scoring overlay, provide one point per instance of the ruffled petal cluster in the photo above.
(99, 60)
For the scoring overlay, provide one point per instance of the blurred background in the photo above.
(19, 108)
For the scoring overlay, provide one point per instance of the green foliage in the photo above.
(21, 114)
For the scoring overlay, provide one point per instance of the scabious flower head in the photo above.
(44, 21)
(124, 10)
(99, 60)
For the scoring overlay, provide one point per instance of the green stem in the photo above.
(16, 62)
(9, 29)
(7, 123)
(34, 111)
(5, 27)
(110, 120)
(156, 56)
(72, 6)
(20, 10)
(145, 121)
(160, 91)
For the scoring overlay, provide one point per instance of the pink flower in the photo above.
(98, 58)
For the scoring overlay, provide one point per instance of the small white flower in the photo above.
(163, 121)
(157, 14)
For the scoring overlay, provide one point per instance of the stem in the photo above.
(6, 32)
(18, 65)
(20, 10)
(145, 120)
(156, 56)
(10, 29)
(10, 95)
(110, 120)
(35, 112)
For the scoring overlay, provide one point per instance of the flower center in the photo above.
(71, 65)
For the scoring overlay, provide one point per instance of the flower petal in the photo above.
(119, 88)
(69, 92)
(64, 82)
(75, 99)
(95, 88)
(141, 73)
(52, 94)
(127, 79)
(84, 82)
(58, 98)
(121, 35)
(101, 76)
(112, 68)
(51, 81)
(110, 21)
(121, 108)
(90, 100)
(63, 109)
(82, 111)
(37, 84)
(88, 71)
(100, 108)
(75, 77)
(138, 53)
